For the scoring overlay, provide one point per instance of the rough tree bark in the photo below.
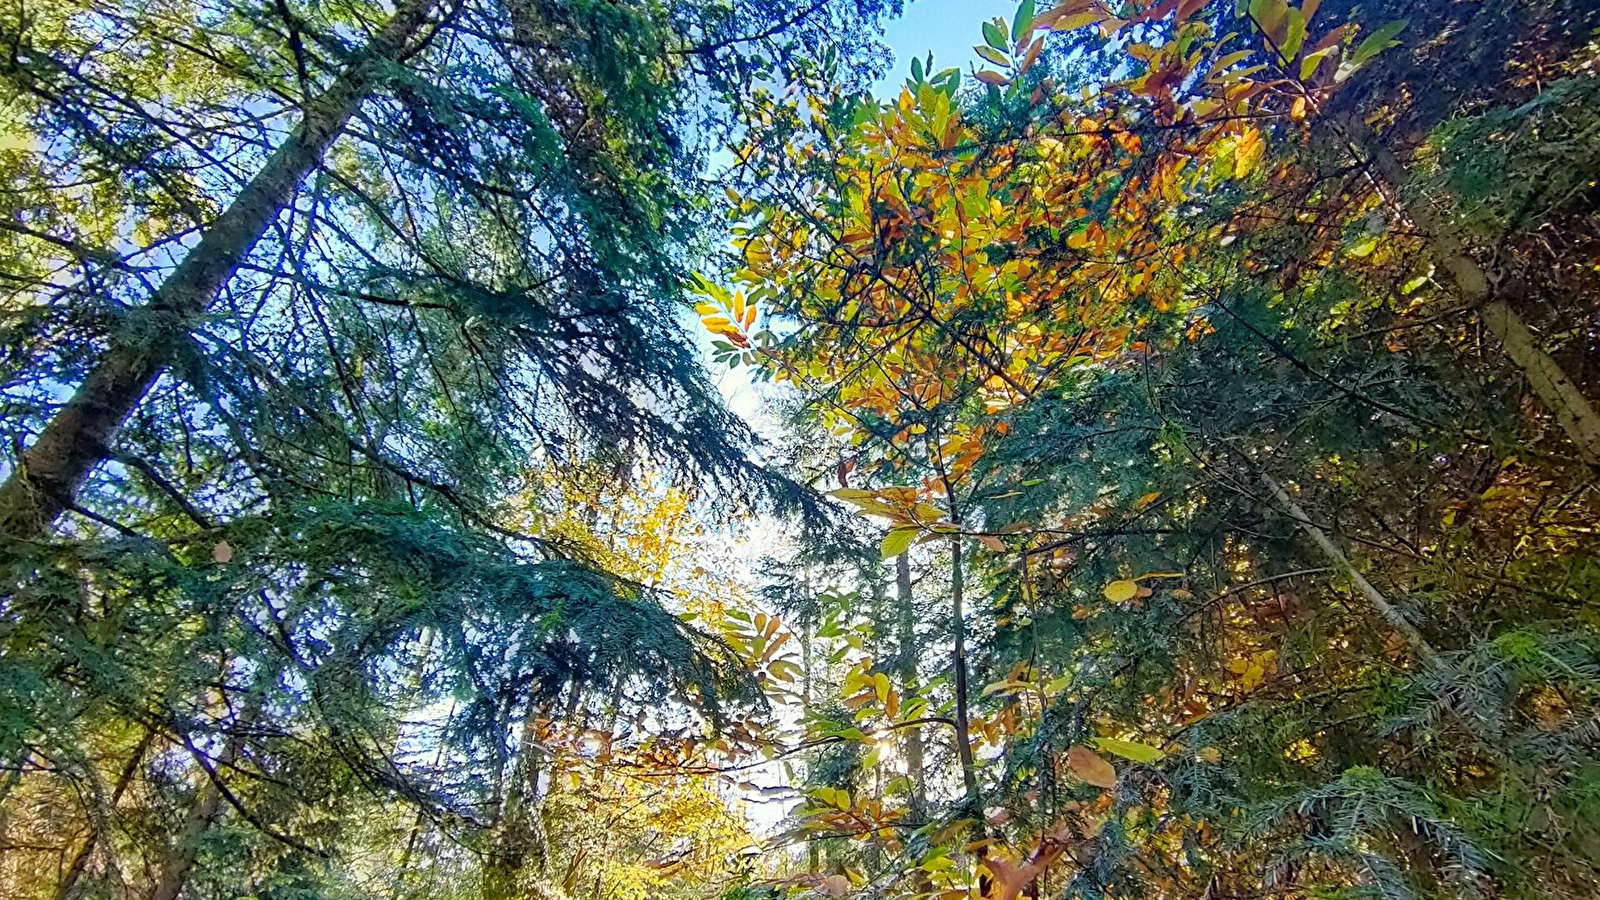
(1573, 411)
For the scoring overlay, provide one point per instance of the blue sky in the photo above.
(949, 28)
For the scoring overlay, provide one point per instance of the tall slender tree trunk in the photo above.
(186, 849)
(905, 636)
(415, 834)
(1419, 645)
(1573, 411)
(969, 770)
(521, 832)
(46, 480)
(807, 637)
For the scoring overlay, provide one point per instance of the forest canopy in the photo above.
(1171, 470)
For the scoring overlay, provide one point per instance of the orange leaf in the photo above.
(1091, 767)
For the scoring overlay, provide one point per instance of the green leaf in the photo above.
(870, 761)
(1308, 66)
(898, 540)
(1363, 248)
(1376, 43)
(1139, 753)
(1022, 23)
(916, 68)
(993, 34)
(1296, 36)
(1269, 14)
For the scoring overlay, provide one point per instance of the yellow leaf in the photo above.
(1072, 23)
(1051, 17)
(1247, 154)
(1121, 591)
(993, 55)
(898, 540)
(996, 688)
(784, 670)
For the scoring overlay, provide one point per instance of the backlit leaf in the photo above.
(898, 540)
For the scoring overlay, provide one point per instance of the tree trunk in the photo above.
(1419, 645)
(175, 867)
(969, 772)
(207, 806)
(47, 477)
(521, 833)
(66, 889)
(905, 627)
(1573, 411)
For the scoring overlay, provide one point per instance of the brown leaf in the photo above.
(222, 552)
(1091, 767)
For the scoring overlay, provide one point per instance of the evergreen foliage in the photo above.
(1182, 485)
